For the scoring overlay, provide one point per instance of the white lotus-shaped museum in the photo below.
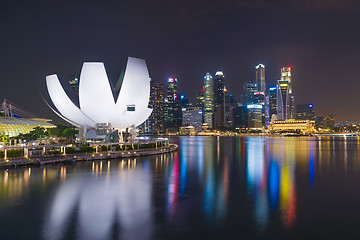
(124, 106)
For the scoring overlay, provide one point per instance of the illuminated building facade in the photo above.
(272, 102)
(240, 116)
(305, 112)
(219, 88)
(208, 100)
(285, 96)
(260, 77)
(255, 114)
(291, 125)
(200, 99)
(156, 119)
(192, 116)
(15, 121)
(285, 101)
(255, 102)
(172, 109)
(249, 93)
(12, 126)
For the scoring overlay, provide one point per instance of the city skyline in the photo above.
(42, 38)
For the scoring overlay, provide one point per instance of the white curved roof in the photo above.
(67, 109)
(96, 98)
(135, 91)
(95, 94)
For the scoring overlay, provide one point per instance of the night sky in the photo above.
(320, 39)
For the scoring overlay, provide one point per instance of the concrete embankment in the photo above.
(71, 158)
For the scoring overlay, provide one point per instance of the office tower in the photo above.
(254, 102)
(219, 116)
(74, 83)
(192, 116)
(240, 116)
(272, 103)
(219, 88)
(200, 98)
(285, 96)
(305, 112)
(255, 116)
(259, 98)
(286, 75)
(184, 101)
(260, 77)
(156, 119)
(283, 100)
(249, 93)
(208, 100)
(172, 110)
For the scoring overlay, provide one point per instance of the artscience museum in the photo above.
(123, 106)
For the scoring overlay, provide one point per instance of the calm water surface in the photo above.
(213, 188)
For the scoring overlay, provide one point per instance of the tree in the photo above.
(57, 131)
(4, 139)
(69, 133)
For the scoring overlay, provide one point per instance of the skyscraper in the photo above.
(219, 88)
(255, 112)
(272, 102)
(208, 99)
(74, 83)
(172, 110)
(305, 112)
(156, 119)
(184, 101)
(200, 99)
(285, 96)
(249, 93)
(286, 75)
(192, 116)
(283, 100)
(260, 77)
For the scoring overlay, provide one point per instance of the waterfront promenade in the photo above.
(131, 150)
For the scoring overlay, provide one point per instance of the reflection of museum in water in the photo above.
(208, 177)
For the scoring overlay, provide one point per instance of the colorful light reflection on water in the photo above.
(213, 187)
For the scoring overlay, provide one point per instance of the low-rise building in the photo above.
(12, 126)
(292, 125)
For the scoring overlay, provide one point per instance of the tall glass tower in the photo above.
(156, 119)
(208, 99)
(260, 77)
(219, 88)
(285, 97)
(172, 110)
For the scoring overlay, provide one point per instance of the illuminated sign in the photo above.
(310, 105)
(171, 80)
(254, 106)
(272, 88)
